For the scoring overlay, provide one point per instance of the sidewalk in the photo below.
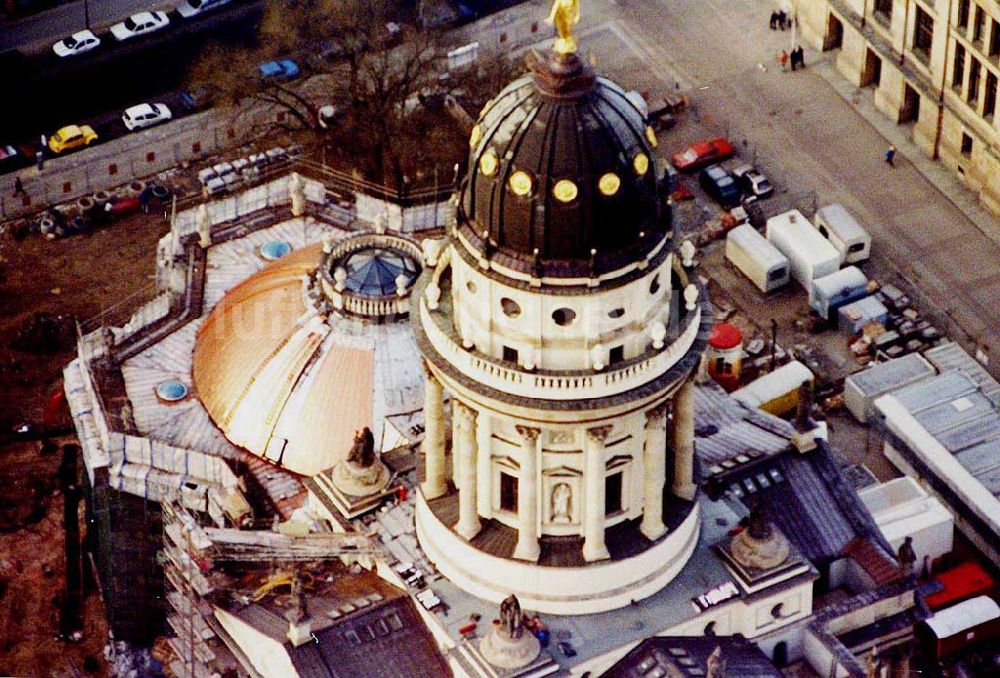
(943, 179)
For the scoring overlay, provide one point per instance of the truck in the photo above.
(810, 255)
(830, 292)
(844, 232)
(756, 258)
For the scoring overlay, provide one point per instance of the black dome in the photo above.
(562, 163)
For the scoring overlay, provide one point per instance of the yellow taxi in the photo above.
(70, 137)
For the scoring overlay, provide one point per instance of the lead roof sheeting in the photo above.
(980, 458)
(947, 415)
(982, 429)
(932, 392)
(952, 356)
(886, 376)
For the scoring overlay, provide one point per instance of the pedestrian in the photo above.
(890, 154)
(774, 20)
(19, 187)
(40, 160)
(793, 58)
(783, 60)
(801, 57)
(782, 18)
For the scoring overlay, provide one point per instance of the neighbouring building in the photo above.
(933, 66)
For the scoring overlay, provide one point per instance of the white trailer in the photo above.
(844, 232)
(810, 255)
(756, 258)
(830, 292)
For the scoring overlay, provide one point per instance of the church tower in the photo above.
(560, 334)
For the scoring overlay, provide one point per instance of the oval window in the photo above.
(609, 184)
(477, 134)
(650, 136)
(616, 313)
(520, 183)
(511, 308)
(564, 190)
(654, 284)
(640, 163)
(563, 316)
(488, 163)
(471, 286)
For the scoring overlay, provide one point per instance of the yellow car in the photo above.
(70, 137)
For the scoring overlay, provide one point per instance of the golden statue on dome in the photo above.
(564, 15)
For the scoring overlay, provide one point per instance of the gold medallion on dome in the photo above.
(564, 190)
(520, 183)
(477, 134)
(609, 184)
(650, 136)
(640, 163)
(488, 163)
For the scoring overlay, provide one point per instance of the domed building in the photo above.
(565, 331)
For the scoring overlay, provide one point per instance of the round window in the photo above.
(520, 183)
(564, 190)
(471, 286)
(488, 163)
(609, 184)
(654, 285)
(640, 163)
(511, 308)
(616, 313)
(563, 316)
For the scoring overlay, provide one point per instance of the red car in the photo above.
(702, 153)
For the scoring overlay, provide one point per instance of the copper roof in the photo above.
(272, 377)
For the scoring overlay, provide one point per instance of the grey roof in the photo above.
(689, 656)
(951, 356)
(726, 428)
(885, 376)
(927, 394)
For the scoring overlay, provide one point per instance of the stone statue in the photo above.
(715, 666)
(511, 626)
(873, 665)
(759, 526)
(562, 497)
(363, 451)
(564, 14)
(906, 555)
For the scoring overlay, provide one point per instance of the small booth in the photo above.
(725, 355)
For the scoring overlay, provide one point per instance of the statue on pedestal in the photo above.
(507, 646)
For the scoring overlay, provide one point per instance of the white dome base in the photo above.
(598, 587)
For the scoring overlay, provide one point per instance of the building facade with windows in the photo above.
(933, 66)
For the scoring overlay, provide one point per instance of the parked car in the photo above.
(752, 181)
(70, 137)
(720, 185)
(702, 153)
(140, 24)
(282, 69)
(145, 115)
(78, 43)
(190, 8)
(11, 158)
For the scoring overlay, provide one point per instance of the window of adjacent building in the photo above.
(978, 25)
(990, 96)
(510, 354)
(975, 70)
(508, 492)
(778, 611)
(994, 39)
(958, 68)
(966, 144)
(613, 493)
(963, 13)
(616, 355)
(883, 8)
(923, 36)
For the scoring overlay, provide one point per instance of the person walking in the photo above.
(783, 60)
(801, 58)
(19, 187)
(782, 18)
(774, 20)
(890, 154)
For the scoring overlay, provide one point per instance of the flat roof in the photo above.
(883, 377)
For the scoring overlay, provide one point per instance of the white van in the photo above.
(757, 259)
(810, 255)
(843, 231)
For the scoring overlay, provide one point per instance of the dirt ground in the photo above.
(80, 276)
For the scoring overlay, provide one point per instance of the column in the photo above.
(484, 480)
(594, 472)
(456, 461)
(433, 446)
(683, 442)
(464, 446)
(654, 473)
(527, 496)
